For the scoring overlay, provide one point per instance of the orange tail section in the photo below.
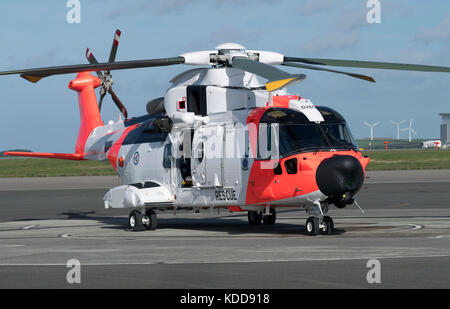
(84, 84)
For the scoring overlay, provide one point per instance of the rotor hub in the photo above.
(107, 82)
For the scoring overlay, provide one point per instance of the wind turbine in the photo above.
(398, 127)
(371, 128)
(410, 130)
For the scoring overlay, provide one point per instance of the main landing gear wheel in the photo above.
(312, 226)
(150, 220)
(270, 219)
(254, 217)
(135, 221)
(327, 226)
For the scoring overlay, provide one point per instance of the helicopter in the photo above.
(226, 135)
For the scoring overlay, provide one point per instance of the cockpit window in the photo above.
(338, 135)
(298, 134)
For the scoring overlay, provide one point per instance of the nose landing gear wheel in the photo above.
(135, 221)
(254, 217)
(312, 226)
(327, 226)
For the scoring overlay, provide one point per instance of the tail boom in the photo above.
(47, 155)
(84, 84)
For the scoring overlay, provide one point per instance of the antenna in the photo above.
(398, 127)
(371, 128)
(410, 130)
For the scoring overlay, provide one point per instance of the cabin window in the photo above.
(244, 161)
(108, 146)
(200, 152)
(167, 161)
(277, 170)
(148, 132)
(268, 136)
(291, 166)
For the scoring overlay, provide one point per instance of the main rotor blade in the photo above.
(310, 67)
(276, 77)
(34, 75)
(369, 64)
(115, 44)
(119, 104)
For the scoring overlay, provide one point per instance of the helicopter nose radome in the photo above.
(340, 177)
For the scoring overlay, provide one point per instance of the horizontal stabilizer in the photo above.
(65, 156)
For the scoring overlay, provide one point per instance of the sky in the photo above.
(44, 117)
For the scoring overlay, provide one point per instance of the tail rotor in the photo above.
(106, 77)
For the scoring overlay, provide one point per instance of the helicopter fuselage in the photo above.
(206, 148)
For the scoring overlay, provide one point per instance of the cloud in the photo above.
(352, 18)
(312, 7)
(153, 7)
(220, 3)
(176, 6)
(332, 41)
(438, 33)
(398, 9)
(52, 56)
(232, 34)
(341, 29)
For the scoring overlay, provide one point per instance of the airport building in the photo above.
(445, 130)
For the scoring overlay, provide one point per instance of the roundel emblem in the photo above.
(136, 158)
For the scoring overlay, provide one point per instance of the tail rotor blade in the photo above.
(119, 104)
(102, 95)
(90, 57)
(115, 44)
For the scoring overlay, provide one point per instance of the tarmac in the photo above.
(45, 222)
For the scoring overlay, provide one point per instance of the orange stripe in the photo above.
(48, 155)
(114, 150)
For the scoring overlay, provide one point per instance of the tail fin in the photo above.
(84, 84)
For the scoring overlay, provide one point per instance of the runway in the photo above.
(47, 221)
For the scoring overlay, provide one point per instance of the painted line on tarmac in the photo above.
(232, 262)
(29, 227)
(412, 227)
(8, 245)
(405, 181)
(439, 237)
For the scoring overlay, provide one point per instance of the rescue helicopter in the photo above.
(225, 135)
